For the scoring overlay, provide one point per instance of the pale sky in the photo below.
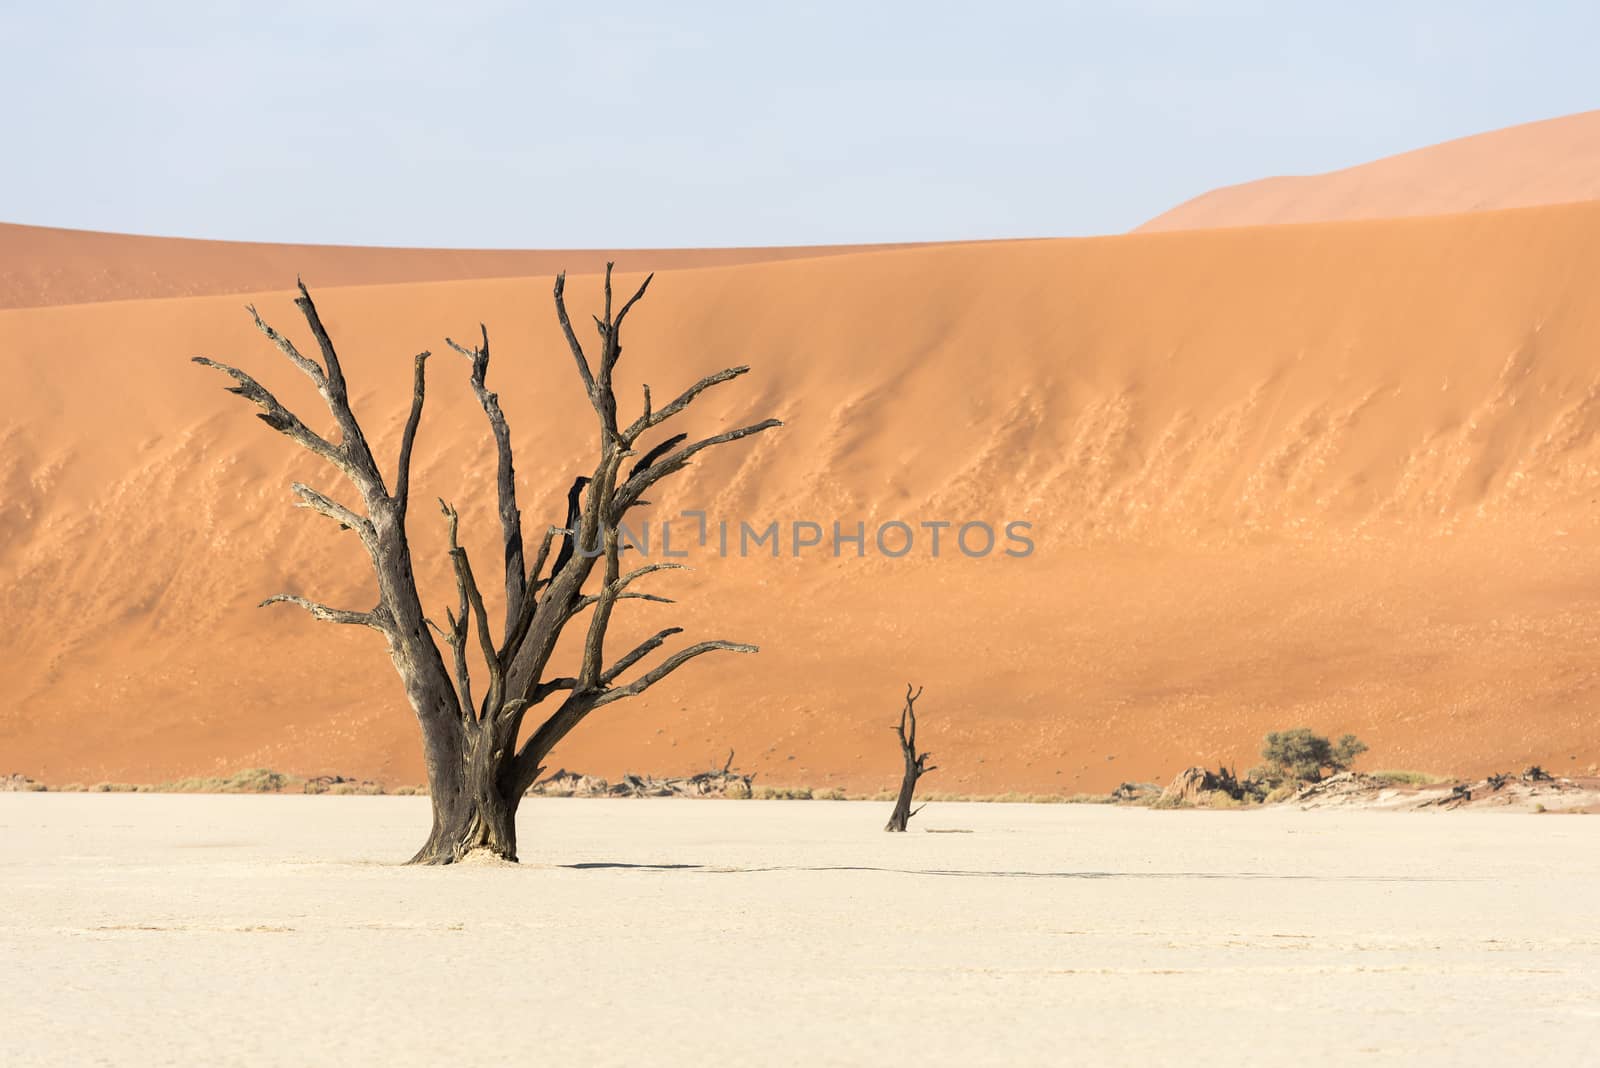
(691, 124)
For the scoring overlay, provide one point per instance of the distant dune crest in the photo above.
(42, 265)
(1556, 161)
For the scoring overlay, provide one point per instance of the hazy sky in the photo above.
(680, 123)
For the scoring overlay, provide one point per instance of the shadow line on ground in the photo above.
(708, 869)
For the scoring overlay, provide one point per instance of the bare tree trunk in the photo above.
(472, 811)
(902, 806)
(479, 763)
(916, 765)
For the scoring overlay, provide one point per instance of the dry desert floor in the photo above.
(142, 929)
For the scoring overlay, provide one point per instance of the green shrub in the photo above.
(1302, 755)
(1408, 778)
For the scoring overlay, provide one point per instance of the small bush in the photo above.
(339, 785)
(256, 781)
(783, 793)
(1408, 778)
(1040, 799)
(364, 788)
(1302, 755)
(249, 781)
(1280, 793)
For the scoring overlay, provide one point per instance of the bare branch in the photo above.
(616, 324)
(667, 667)
(643, 650)
(345, 517)
(611, 331)
(615, 585)
(457, 640)
(337, 396)
(542, 555)
(468, 587)
(684, 399)
(506, 481)
(550, 686)
(594, 598)
(656, 453)
(330, 358)
(594, 641)
(572, 339)
(282, 419)
(408, 439)
(624, 581)
(628, 495)
(312, 369)
(373, 619)
(572, 528)
(518, 628)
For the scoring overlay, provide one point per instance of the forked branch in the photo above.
(506, 475)
(472, 597)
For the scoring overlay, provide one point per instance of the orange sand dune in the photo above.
(1551, 162)
(1339, 475)
(42, 266)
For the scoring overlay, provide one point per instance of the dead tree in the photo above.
(480, 760)
(916, 763)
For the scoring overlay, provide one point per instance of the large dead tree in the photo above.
(479, 757)
(916, 764)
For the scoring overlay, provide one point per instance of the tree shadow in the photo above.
(601, 864)
(709, 869)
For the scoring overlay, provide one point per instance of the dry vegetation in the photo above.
(1298, 768)
(249, 781)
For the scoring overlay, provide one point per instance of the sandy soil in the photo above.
(1556, 161)
(276, 930)
(1340, 476)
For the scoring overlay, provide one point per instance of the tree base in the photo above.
(482, 830)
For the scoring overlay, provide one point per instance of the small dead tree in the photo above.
(916, 763)
(480, 761)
